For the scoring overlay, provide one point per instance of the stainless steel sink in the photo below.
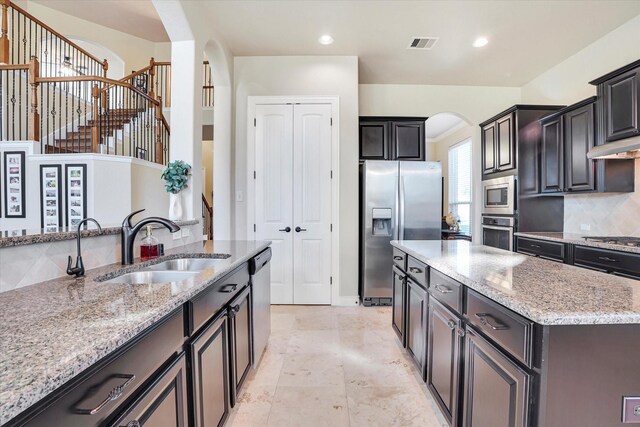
(152, 277)
(186, 264)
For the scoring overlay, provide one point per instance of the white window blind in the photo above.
(460, 183)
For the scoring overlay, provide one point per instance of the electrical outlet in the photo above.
(239, 196)
(177, 235)
(585, 227)
(186, 232)
(630, 410)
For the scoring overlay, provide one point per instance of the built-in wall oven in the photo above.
(497, 231)
(499, 196)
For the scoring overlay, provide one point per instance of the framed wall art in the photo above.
(76, 193)
(50, 197)
(14, 185)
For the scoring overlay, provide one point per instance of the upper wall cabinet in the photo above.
(567, 137)
(619, 98)
(392, 138)
(510, 143)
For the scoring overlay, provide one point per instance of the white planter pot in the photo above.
(175, 206)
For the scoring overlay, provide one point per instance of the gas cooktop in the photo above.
(615, 240)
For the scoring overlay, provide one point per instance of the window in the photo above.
(460, 183)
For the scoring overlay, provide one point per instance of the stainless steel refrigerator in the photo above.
(399, 201)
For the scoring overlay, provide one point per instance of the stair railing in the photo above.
(22, 36)
(207, 218)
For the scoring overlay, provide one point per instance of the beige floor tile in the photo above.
(253, 407)
(389, 406)
(315, 321)
(282, 321)
(268, 371)
(365, 371)
(309, 407)
(312, 370)
(314, 342)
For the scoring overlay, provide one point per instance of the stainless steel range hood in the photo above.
(628, 148)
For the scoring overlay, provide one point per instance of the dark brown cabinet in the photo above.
(416, 323)
(392, 138)
(498, 145)
(619, 94)
(398, 284)
(443, 371)
(578, 137)
(241, 333)
(488, 148)
(496, 390)
(211, 374)
(552, 153)
(163, 404)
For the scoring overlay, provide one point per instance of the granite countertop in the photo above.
(43, 235)
(547, 292)
(52, 331)
(576, 239)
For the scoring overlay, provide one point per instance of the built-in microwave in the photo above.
(499, 196)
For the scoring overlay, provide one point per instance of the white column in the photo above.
(223, 198)
(186, 119)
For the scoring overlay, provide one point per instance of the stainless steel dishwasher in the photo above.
(260, 272)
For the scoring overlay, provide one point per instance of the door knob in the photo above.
(286, 230)
(298, 229)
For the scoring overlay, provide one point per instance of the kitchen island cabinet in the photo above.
(506, 356)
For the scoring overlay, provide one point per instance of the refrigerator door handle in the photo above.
(401, 210)
(396, 211)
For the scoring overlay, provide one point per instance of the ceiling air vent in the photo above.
(422, 43)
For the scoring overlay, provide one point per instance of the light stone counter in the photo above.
(577, 239)
(549, 293)
(52, 331)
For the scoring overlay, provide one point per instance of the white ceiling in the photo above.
(442, 125)
(525, 37)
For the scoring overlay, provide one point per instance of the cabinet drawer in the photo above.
(400, 259)
(85, 400)
(446, 290)
(417, 270)
(206, 305)
(511, 331)
(624, 263)
(555, 251)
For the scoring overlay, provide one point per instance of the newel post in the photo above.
(4, 34)
(152, 78)
(34, 116)
(159, 126)
(95, 129)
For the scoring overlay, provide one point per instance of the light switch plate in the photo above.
(631, 410)
(177, 235)
(186, 232)
(585, 227)
(239, 196)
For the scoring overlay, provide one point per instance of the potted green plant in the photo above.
(176, 176)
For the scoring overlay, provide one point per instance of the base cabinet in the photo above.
(240, 319)
(163, 404)
(398, 284)
(443, 372)
(417, 310)
(496, 390)
(211, 382)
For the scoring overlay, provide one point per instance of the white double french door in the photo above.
(293, 199)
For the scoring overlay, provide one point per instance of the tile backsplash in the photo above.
(615, 214)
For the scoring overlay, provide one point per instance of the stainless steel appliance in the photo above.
(260, 272)
(499, 196)
(497, 231)
(399, 201)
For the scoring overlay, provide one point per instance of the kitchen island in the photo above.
(513, 340)
(67, 336)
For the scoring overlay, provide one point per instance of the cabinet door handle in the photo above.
(451, 324)
(415, 270)
(114, 394)
(298, 229)
(606, 258)
(286, 230)
(535, 246)
(461, 332)
(398, 258)
(443, 289)
(133, 423)
(229, 288)
(485, 320)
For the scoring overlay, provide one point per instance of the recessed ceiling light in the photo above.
(480, 41)
(325, 39)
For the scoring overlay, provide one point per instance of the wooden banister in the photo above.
(4, 33)
(95, 129)
(159, 118)
(97, 79)
(34, 116)
(54, 32)
(152, 75)
(15, 67)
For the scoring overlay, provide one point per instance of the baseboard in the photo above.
(346, 301)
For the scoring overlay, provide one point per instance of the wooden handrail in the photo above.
(14, 67)
(4, 33)
(96, 79)
(206, 204)
(54, 32)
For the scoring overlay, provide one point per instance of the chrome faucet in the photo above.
(129, 231)
(78, 270)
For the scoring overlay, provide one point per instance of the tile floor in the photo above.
(334, 366)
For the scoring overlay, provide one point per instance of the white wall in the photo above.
(307, 76)
(473, 103)
(568, 82)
